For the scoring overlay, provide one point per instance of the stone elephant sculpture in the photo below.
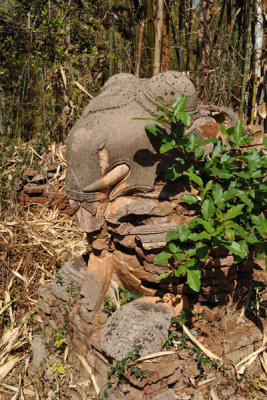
(109, 154)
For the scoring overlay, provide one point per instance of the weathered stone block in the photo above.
(140, 323)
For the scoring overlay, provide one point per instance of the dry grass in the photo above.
(34, 243)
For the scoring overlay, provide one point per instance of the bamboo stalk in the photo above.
(158, 36)
(140, 43)
(188, 39)
(174, 39)
(257, 53)
(180, 35)
(165, 62)
(246, 63)
(150, 32)
(111, 42)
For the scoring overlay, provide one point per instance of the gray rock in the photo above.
(143, 323)
(39, 352)
(70, 278)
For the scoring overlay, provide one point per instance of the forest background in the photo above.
(55, 55)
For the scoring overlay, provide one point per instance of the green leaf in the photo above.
(181, 270)
(244, 197)
(200, 221)
(161, 118)
(156, 130)
(172, 235)
(193, 279)
(163, 276)
(167, 147)
(199, 236)
(262, 228)
(216, 151)
(173, 248)
(195, 178)
(218, 213)
(180, 256)
(192, 142)
(191, 262)
(199, 152)
(257, 174)
(265, 145)
(223, 129)
(240, 231)
(244, 175)
(189, 199)
(202, 251)
(162, 257)
(222, 173)
(230, 193)
(238, 248)
(207, 141)
(238, 132)
(253, 159)
(207, 209)
(208, 186)
(190, 252)
(184, 117)
(179, 104)
(230, 235)
(234, 212)
(169, 114)
(183, 233)
(217, 193)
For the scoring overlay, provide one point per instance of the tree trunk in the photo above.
(158, 36)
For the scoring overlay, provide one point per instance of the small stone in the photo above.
(212, 314)
(142, 322)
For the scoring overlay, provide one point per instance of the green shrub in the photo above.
(231, 193)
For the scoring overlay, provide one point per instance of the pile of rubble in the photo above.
(45, 184)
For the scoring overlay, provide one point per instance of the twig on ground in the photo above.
(202, 348)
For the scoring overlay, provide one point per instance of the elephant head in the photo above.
(109, 153)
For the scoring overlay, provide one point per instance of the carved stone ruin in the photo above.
(115, 186)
